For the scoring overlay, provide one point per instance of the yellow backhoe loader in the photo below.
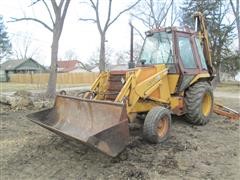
(173, 76)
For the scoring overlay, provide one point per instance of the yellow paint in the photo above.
(145, 88)
(198, 76)
(176, 101)
(173, 80)
(144, 106)
(206, 104)
(100, 85)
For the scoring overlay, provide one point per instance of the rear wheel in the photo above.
(157, 125)
(199, 103)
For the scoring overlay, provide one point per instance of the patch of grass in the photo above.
(11, 87)
(228, 87)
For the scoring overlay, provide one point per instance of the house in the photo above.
(22, 66)
(19, 66)
(70, 66)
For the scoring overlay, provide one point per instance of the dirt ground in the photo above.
(192, 152)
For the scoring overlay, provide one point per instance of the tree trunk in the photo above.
(218, 78)
(238, 29)
(238, 25)
(102, 57)
(51, 90)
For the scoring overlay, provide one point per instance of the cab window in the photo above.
(186, 54)
(200, 52)
(157, 49)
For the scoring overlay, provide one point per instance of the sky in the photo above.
(79, 36)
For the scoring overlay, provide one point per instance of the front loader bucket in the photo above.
(100, 124)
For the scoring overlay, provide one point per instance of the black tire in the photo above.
(158, 116)
(194, 103)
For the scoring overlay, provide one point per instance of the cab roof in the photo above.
(182, 29)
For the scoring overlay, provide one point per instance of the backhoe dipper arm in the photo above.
(203, 36)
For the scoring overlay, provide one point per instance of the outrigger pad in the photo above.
(100, 124)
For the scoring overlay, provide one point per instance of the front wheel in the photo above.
(157, 125)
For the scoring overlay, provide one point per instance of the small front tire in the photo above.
(157, 125)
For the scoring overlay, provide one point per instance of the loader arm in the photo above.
(99, 86)
(143, 89)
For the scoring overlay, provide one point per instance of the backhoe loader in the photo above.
(173, 76)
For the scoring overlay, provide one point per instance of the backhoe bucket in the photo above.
(100, 124)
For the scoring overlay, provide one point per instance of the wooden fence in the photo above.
(62, 78)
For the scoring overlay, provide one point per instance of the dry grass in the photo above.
(229, 87)
(10, 87)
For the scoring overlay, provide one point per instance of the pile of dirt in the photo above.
(25, 100)
(23, 93)
(22, 100)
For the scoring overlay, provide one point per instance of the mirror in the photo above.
(142, 61)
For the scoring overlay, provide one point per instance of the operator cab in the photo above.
(179, 49)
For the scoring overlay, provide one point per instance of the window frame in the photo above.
(198, 54)
(185, 70)
(172, 47)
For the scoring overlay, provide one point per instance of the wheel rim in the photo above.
(162, 127)
(206, 104)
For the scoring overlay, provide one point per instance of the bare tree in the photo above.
(71, 55)
(94, 58)
(103, 29)
(153, 14)
(235, 9)
(57, 13)
(121, 57)
(22, 46)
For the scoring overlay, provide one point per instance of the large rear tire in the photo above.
(157, 125)
(199, 103)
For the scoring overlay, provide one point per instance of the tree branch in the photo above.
(49, 12)
(32, 19)
(162, 9)
(93, 4)
(233, 8)
(164, 16)
(109, 15)
(146, 23)
(152, 12)
(61, 4)
(55, 6)
(65, 10)
(125, 10)
(138, 32)
(34, 2)
(88, 19)
(95, 7)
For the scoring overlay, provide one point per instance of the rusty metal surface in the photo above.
(226, 111)
(116, 82)
(100, 124)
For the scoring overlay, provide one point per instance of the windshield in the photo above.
(157, 49)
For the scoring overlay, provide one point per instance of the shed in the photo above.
(20, 66)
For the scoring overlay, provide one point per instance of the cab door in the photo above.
(187, 58)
